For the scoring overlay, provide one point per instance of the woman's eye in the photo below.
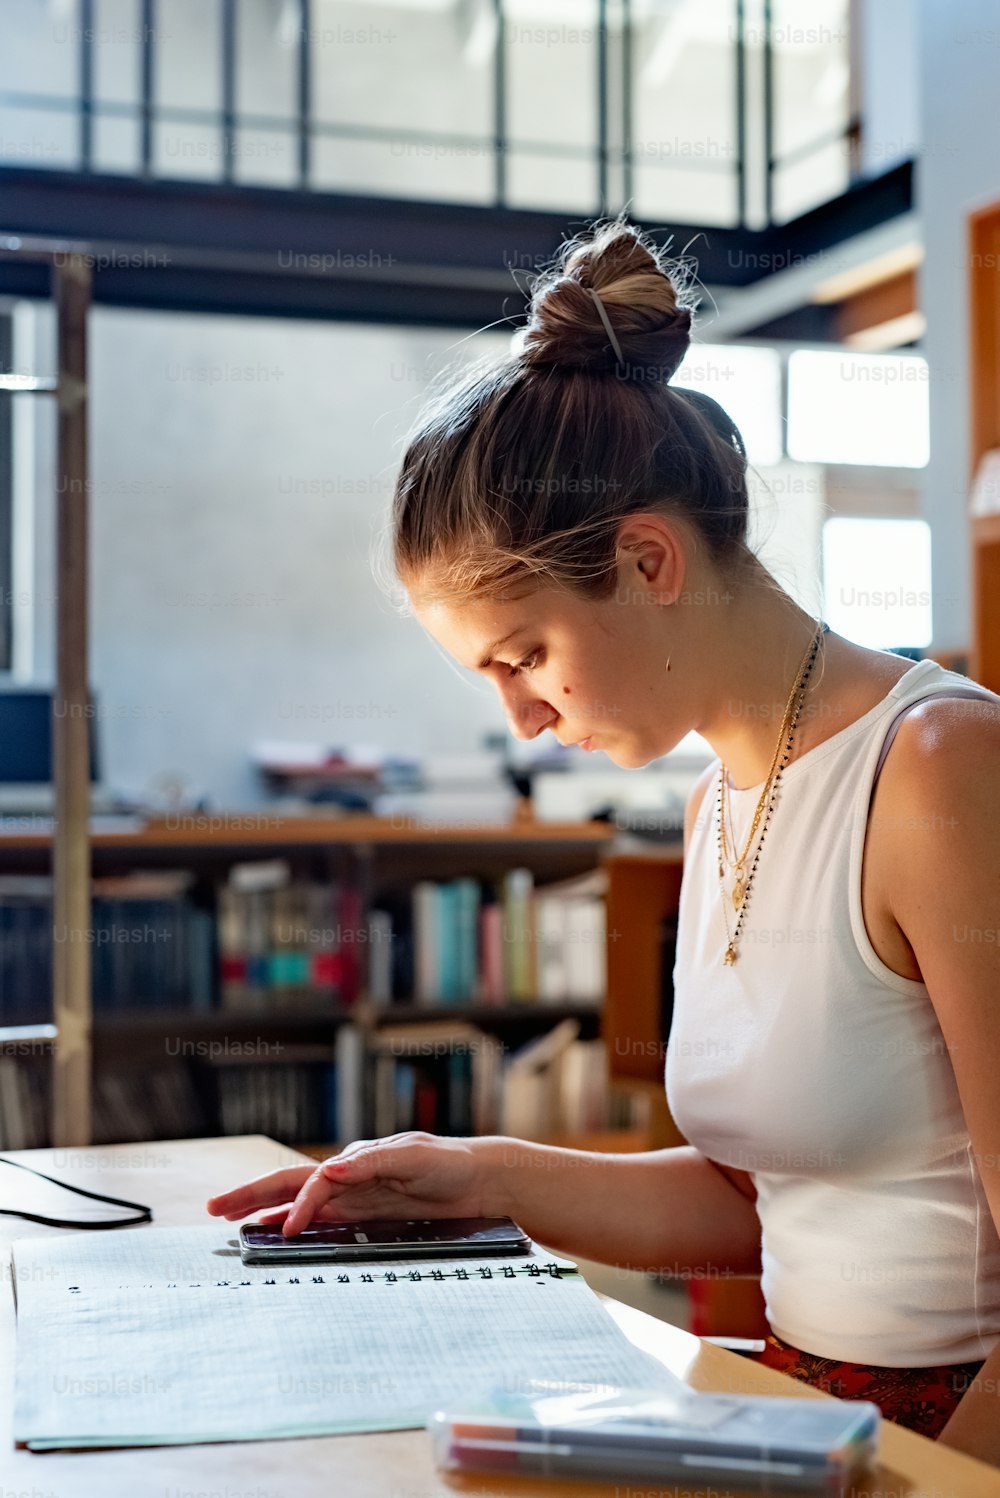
(528, 664)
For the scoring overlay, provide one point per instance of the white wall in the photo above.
(888, 48)
(227, 605)
(959, 170)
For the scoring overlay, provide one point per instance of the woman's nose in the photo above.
(528, 716)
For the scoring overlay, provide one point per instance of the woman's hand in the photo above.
(403, 1175)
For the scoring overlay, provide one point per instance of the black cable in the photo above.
(145, 1213)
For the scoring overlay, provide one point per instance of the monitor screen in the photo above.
(26, 737)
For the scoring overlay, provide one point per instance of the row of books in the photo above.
(150, 945)
(460, 941)
(25, 1102)
(509, 943)
(285, 941)
(264, 941)
(312, 1093)
(448, 1077)
(294, 1101)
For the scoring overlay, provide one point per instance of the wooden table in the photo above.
(175, 1177)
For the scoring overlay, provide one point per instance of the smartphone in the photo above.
(384, 1238)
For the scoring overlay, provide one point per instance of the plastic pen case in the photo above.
(758, 1442)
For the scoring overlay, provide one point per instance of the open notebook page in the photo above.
(153, 1336)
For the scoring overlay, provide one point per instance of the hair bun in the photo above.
(641, 302)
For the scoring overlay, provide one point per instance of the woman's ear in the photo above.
(652, 545)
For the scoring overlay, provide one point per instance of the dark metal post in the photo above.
(499, 108)
(228, 89)
(768, 117)
(305, 94)
(741, 115)
(627, 102)
(148, 23)
(86, 84)
(602, 106)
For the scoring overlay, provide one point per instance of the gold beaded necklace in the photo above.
(790, 717)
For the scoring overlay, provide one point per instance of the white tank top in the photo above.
(823, 1073)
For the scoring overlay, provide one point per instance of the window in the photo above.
(858, 408)
(746, 382)
(877, 581)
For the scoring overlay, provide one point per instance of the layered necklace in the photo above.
(765, 805)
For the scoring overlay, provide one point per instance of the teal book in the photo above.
(449, 960)
(468, 938)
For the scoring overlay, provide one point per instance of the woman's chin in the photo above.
(625, 756)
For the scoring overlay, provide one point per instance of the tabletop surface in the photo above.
(176, 1177)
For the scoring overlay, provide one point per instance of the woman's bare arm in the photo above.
(671, 1210)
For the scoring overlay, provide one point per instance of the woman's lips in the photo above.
(587, 744)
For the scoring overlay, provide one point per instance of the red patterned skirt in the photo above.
(922, 1399)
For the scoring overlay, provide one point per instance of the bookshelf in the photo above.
(643, 889)
(373, 855)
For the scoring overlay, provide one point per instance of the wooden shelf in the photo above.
(251, 830)
(986, 529)
(657, 857)
(487, 1015)
(208, 1022)
(984, 409)
(113, 1028)
(643, 888)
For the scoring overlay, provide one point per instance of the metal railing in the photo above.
(613, 147)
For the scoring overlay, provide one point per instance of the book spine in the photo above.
(425, 941)
(492, 978)
(448, 940)
(380, 937)
(517, 931)
(550, 947)
(585, 950)
(468, 938)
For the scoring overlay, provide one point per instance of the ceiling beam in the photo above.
(272, 251)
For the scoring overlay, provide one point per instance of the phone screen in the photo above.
(380, 1238)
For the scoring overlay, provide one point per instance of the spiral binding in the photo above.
(532, 1271)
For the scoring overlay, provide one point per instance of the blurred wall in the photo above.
(959, 170)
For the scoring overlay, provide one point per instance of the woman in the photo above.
(574, 528)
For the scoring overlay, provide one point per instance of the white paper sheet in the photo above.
(155, 1336)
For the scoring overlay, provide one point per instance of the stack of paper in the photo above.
(156, 1336)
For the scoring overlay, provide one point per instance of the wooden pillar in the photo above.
(984, 406)
(71, 909)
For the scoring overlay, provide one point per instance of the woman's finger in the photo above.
(385, 1161)
(314, 1192)
(265, 1191)
(366, 1164)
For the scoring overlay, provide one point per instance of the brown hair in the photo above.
(523, 473)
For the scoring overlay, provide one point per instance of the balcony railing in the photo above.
(700, 111)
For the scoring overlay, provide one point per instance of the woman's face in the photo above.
(592, 672)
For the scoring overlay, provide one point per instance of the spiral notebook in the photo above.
(156, 1336)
